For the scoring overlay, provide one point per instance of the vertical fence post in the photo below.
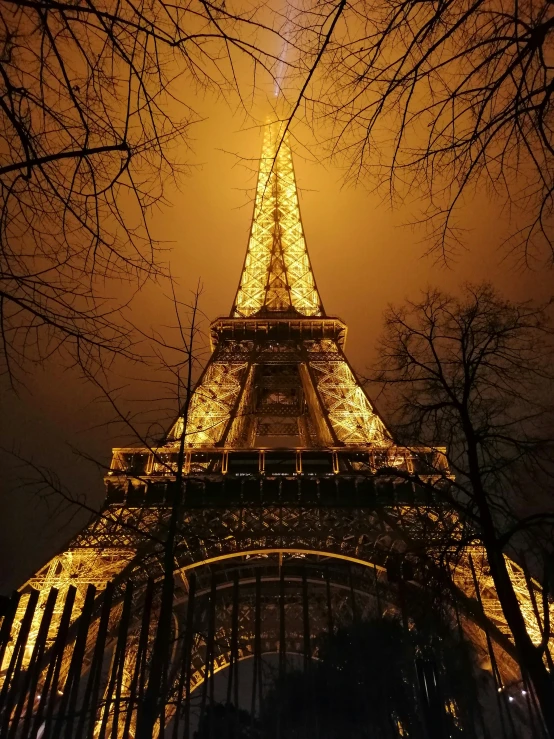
(256, 670)
(309, 672)
(235, 651)
(281, 729)
(499, 688)
(462, 637)
(189, 643)
(208, 658)
(183, 661)
(140, 665)
(7, 623)
(50, 696)
(92, 688)
(330, 624)
(30, 680)
(71, 688)
(16, 661)
(116, 673)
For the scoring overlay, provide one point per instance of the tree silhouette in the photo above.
(445, 99)
(92, 124)
(227, 722)
(475, 373)
(364, 684)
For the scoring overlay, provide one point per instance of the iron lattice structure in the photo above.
(294, 519)
(277, 275)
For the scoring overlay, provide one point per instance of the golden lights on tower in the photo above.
(277, 274)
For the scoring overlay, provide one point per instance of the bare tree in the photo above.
(178, 351)
(173, 362)
(93, 114)
(445, 99)
(476, 373)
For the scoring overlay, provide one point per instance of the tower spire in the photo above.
(277, 275)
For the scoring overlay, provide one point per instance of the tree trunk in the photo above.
(530, 657)
(155, 696)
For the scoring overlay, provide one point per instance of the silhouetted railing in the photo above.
(81, 669)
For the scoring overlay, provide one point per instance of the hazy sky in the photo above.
(363, 259)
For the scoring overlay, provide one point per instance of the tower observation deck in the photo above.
(290, 512)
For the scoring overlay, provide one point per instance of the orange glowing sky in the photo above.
(363, 258)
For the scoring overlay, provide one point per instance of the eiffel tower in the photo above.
(298, 514)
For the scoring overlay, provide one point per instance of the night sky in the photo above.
(363, 258)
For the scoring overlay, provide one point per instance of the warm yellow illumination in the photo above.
(79, 567)
(213, 401)
(491, 605)
(277, 274)
(348, 408)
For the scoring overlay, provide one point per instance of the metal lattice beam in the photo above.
(213, 401)
(277, 275)
(345, 402)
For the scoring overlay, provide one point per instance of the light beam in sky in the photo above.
(282, 63)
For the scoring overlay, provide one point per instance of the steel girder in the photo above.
(277, 275)
(125, 544)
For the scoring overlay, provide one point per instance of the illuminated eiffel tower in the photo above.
(297, 516)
